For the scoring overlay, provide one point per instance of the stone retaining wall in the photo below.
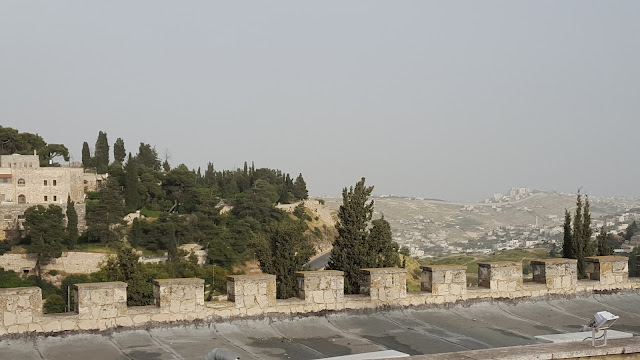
(444, 279)
(102, 306)
(558, 274)
(500, 276)
(608, 269)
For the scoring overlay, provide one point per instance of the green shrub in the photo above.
(54, 304)
(149, 213)
(53, 272)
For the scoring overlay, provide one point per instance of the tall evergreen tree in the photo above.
(349, 248)
(132, 196)
(381, 247)
(101, 156)
(567, 242)
(283, 251)
(72, 223)
(86, 156)
(119, 152)
(45, 232)
(300, 188)
(631, 230)
(165, 165)
(604, 246)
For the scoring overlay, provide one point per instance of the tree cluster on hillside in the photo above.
(361, 242)
(577, 242)
(14, 142)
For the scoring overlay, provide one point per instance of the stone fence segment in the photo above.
(385, 283)
(98, 304)
(557, 274)
(321, 287)
(608, 270)
(19, 307)
(500, 276)
(444, 279)
(252, 291)
(179, 295)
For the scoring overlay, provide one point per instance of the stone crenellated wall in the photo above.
(444, 279)
(608, 269)
(102, 306)
(321, 287)
(252, 292)
(558, 274)
(385, 284)
(501, 276)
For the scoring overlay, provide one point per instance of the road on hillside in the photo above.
(320, 262)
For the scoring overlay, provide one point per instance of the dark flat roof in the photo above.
(485, 325)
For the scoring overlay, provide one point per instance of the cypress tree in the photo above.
(132, 196)
(604, 247)
(102, 153)
(119, 152)
(382, 250)
(567, 242)
(300, 188)
(72, 224)
(86, 156)
(349, 249)
(165, 165)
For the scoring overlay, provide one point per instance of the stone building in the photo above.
(23, 183)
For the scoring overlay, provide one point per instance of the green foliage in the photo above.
(149, 213)
(14, 142)
(300, 189)
(101, 156)
(87, 161)
(119, 152)
(282, 250)
(10, 279)
(355, 247)
(105, 215)
(631, 230)
(72, 224)
(148, 157)
(54, 304)
(132, 196)
(604, 245)
(45, 233)
(577, 242)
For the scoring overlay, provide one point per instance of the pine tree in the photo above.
(165, 165)
(132, 197)
(349, 249)
(72, 224)
(87, 162)
(567, 242)
(300, 188)
(631, 230)
(604, 246)
(119, 152)
(46, 233)
(102, 153)
(381, 247)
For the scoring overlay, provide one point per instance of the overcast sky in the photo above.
(450, 100)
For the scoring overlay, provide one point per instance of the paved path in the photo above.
(412, 331)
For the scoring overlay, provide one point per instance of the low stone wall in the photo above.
(500, 276)
(558, 274)
(70, 262)
(444, 279)
(385, 284)
(608, 269)
(103, 305)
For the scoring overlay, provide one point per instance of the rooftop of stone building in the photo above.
(467, 327)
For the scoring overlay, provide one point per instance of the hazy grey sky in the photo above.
(452, 100)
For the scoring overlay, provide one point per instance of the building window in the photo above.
(21, 217)
(55, 183)
(45, 183)
(8, 217)
(22, 199)
(55, 198)
(20, 182)
(45, 198)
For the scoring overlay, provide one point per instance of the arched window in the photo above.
(20, 182)
(22, 199)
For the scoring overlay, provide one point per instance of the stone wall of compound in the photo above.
(71, 262)
(102, 306)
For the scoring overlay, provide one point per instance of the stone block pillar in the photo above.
(385, 284)
(252, 291)
(321, 287)
(179, 295)
(609, 270)
(500, 276)
(444, 279)
(18, 308)
(100, 301)
(560, 274)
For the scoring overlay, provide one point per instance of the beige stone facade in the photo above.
(444, 279)
(102, 306)
(321, 287)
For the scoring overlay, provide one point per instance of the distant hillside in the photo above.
(436, 228)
